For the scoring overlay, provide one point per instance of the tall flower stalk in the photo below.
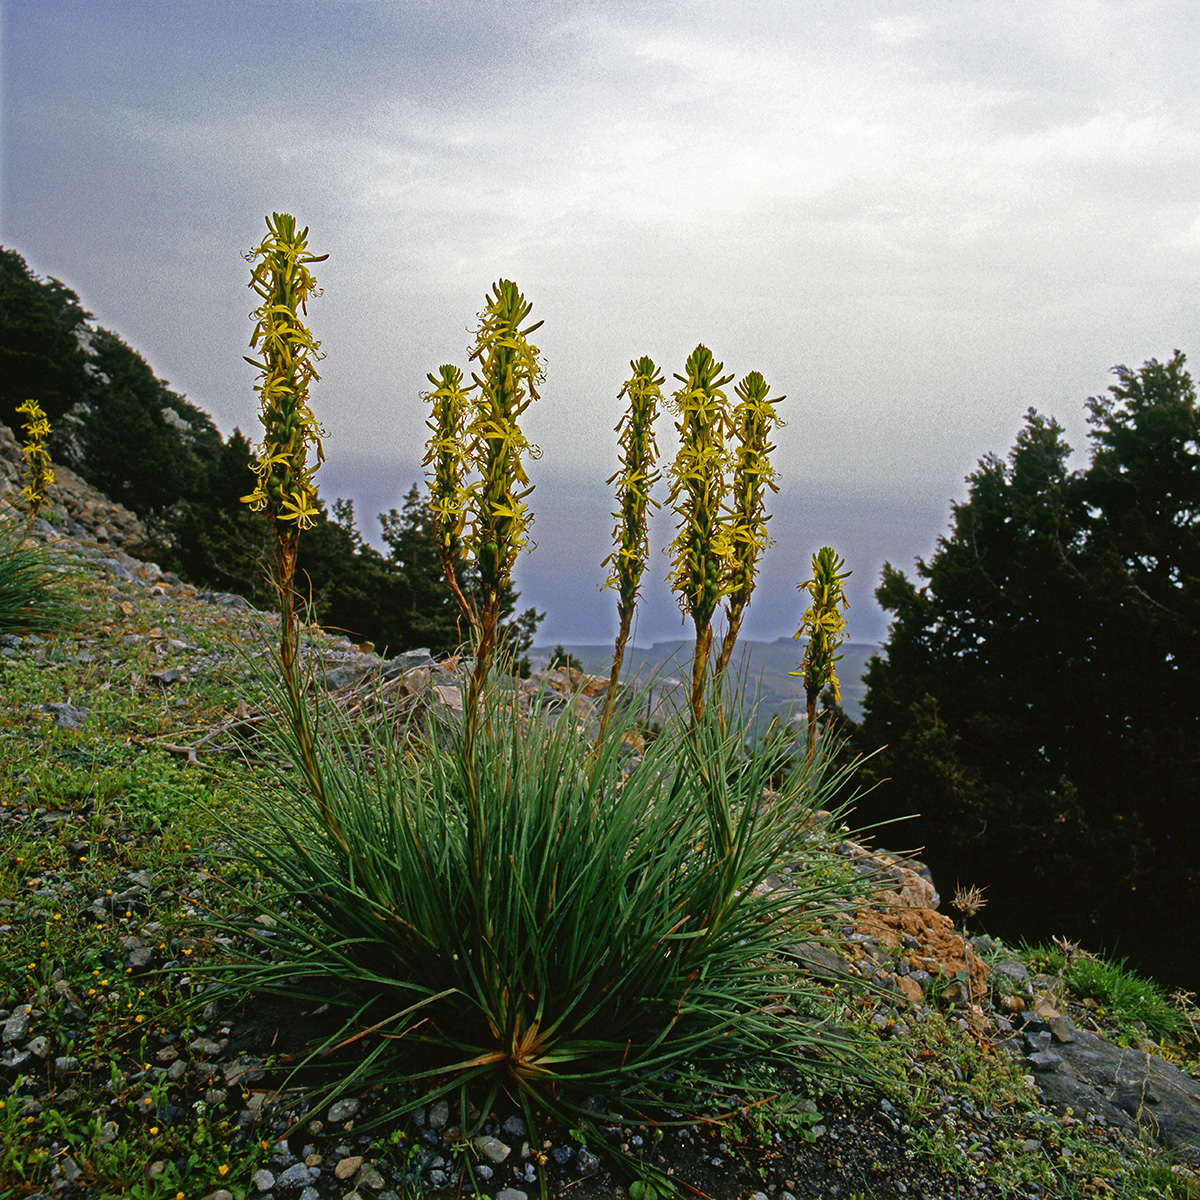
(699, 484)
(635, 479)
(753, 418)
(505, 385)
(447, 460)
(825, 626)
(285, 488)
(38, 471)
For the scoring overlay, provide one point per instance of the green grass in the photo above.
(1136, 1006)
(35, 594)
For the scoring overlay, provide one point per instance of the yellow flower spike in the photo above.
(825, 626)
(285, 490)
(699, 484)
(36, 458)
(639, 453)
(752, 420)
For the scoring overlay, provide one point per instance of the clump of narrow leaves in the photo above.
(33, 596)
(529, 918)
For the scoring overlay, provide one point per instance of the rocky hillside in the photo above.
(996, 1079)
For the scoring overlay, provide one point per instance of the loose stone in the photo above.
(342, 1110)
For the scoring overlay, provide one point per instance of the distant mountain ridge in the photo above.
(763, 666)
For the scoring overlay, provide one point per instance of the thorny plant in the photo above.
(825, 626)
(35, 456)
(635, 479)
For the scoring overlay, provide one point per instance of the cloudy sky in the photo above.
(916, 219)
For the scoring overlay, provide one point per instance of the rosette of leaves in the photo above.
(635, 479)
(752, 420)
(699, 484)
(545, 921)
(825, 626)
(38, 472)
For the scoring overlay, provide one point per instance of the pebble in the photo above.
(16, 1028)
(369, 1177)
(348, 1166)
(296, 1176)
(342, 1110)
(492, 1148)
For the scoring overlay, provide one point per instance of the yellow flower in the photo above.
(223, 1170)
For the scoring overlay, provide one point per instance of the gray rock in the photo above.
(369, 1177)
(511, 1194)
(16, 1028)
(66, 716)
(586, 1163)
(493, 1149)
(439, 1114)
(1126, 1087)
(263, 1180)
(405, 662)
(342, 1110)
(1045, 1060)
(310, 1193)
(296, 1176)
(515, 1127)
(1063, 1029)
(39, 1047)
(820, 961)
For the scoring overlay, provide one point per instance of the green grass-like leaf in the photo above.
(566, 927)
(34, 593)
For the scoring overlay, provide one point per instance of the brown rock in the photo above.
(348, 1166)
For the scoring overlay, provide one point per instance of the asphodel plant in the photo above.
(39, 474)
(699, 484)
(825, 627)
(476, 432)
(447, 461)
(753, 419)
(505, 385)
(284, 470)
(636, 477)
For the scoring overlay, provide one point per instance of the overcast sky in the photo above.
(916, 219)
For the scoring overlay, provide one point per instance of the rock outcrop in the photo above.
(72, 506)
